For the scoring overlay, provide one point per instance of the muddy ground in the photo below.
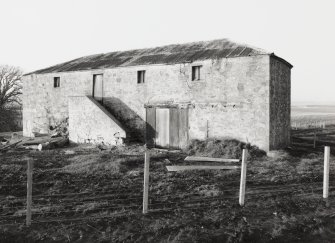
(86, 194)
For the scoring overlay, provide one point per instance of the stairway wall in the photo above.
(90, 122)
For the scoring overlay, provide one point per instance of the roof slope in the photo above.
(170, 54)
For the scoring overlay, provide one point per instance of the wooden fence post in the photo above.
(326, 172)
(314, 144)
(243, 176)
(29, 191)
(146, 182)
(207, 130)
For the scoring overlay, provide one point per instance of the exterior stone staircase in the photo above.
(90, 122)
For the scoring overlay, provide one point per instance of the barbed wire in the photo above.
(152, 210)
(318, 173)
(159, 200)
(124, 193)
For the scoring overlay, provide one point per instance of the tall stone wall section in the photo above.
(233, 101)
(280, 104)
(44, 105)
(230, 100)
(91, 123)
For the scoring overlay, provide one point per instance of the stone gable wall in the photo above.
(280, 104)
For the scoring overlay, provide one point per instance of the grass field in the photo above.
(305, 115)
(88, 195)
(84, 194)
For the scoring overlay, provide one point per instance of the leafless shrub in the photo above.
(10, 92)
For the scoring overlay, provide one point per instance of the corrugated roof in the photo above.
(170, 54)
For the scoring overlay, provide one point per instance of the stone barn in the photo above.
(165, 96)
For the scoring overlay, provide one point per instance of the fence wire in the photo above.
(125, 197)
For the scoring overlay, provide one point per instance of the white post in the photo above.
(146, 182)
(207, 130)
(326, 172)
(29, 191)
(243, 176)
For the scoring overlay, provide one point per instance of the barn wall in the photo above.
(280, 104)
(233, 101)
(44, 105)
(89, 122)
(232, 95)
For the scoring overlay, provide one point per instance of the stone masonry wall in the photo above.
(233, 101)
(44, 105)
(90, 123)
(230, 100)
(280, 104)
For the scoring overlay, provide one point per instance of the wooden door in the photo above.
(174, 128)
(162, 127)
(150, 126)
(167, 127)
(98, 87)
(183, 128)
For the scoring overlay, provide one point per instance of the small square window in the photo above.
(56, 82)
(140, 76)
(196, 73)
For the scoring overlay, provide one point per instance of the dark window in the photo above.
(140, 76)
(196, 73)
(56, 82)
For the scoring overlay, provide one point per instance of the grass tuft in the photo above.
(222, 148)
(102, 163)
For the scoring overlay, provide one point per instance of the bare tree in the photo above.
(10, 91)
(10, 86)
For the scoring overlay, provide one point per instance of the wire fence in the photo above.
(312, 135)
(127, 210)
(124, 198)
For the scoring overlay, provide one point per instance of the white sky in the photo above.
(39, 33)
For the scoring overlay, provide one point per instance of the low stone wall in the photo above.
(89, 122)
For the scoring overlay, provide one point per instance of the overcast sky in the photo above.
(39, 33)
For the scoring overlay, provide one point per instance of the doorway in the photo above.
(167, 127)
(97, 92)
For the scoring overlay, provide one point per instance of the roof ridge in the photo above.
(166, 54)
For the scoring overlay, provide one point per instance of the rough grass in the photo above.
(223, 148)
(90, 164)
(282, 200)
(106, 163)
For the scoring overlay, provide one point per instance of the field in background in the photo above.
(305, 116)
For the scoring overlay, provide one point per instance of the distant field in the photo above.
(304, 115)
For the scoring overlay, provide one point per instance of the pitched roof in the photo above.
(170, 54)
